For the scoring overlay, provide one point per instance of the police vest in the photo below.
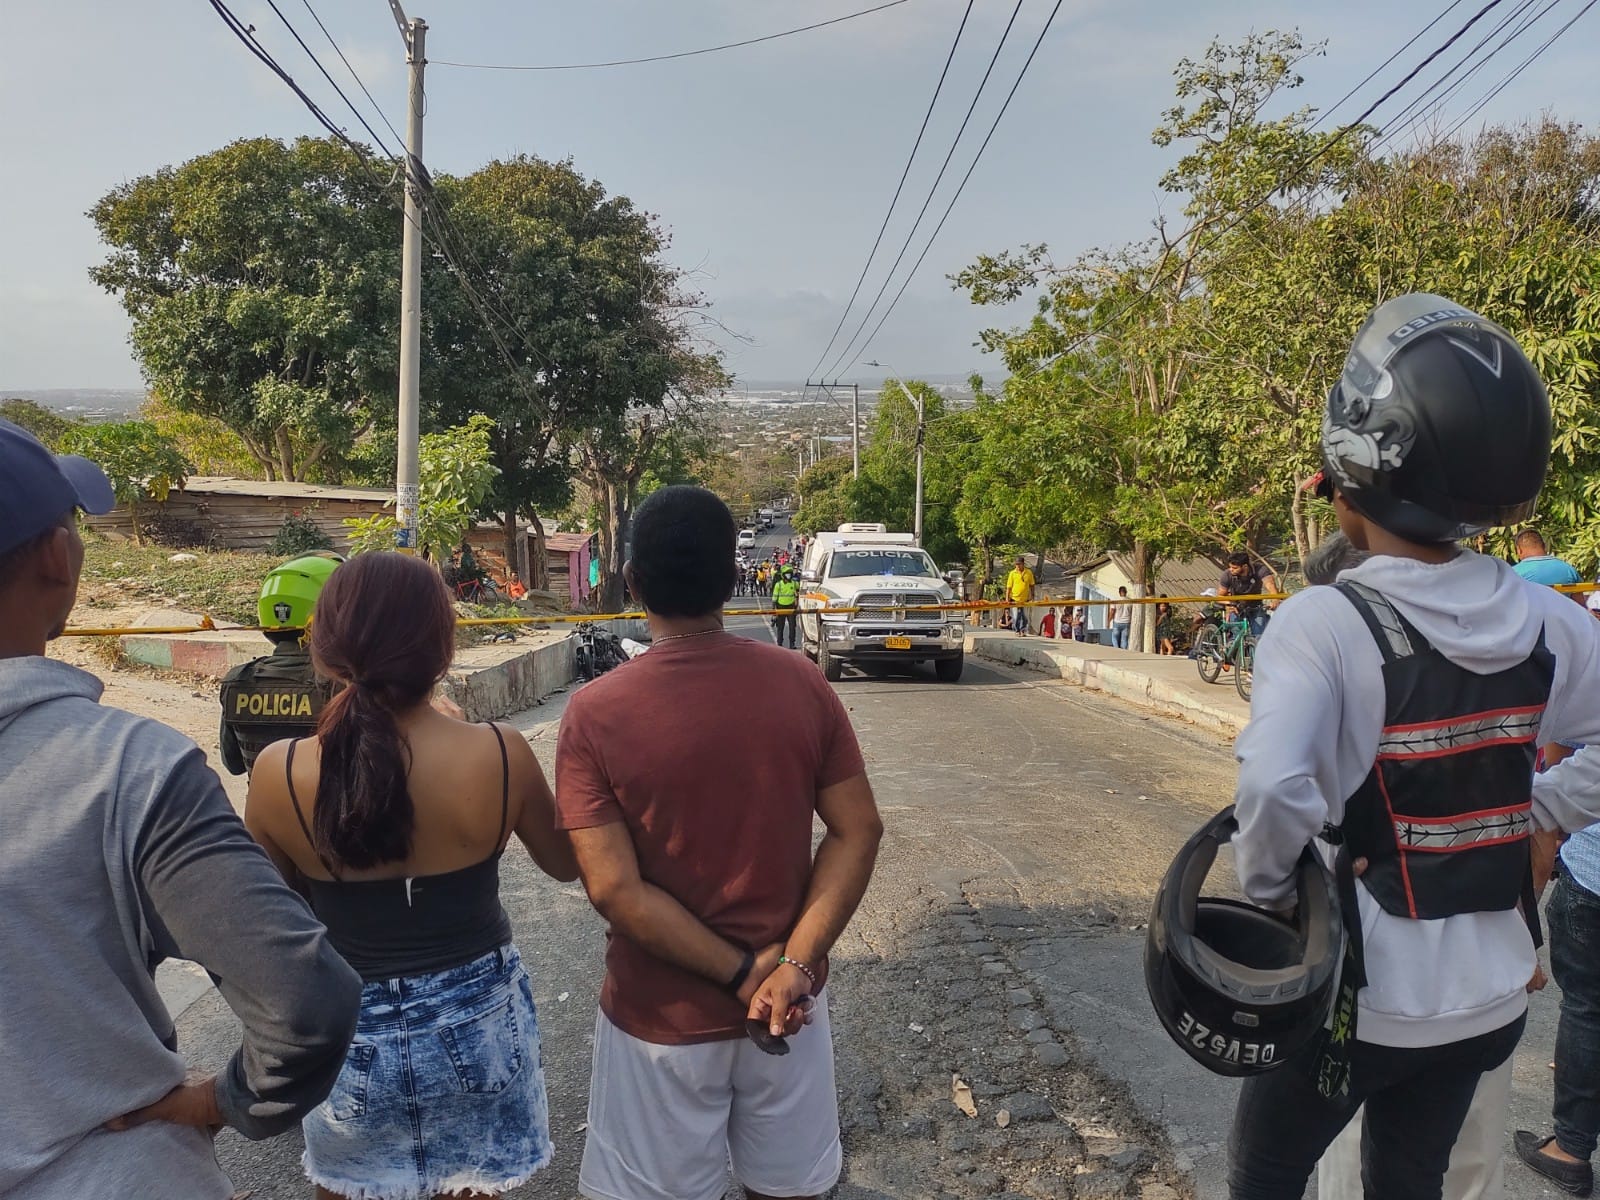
(786, 593)
(1445, 815)
(270, 699)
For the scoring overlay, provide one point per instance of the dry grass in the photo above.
(222, 584)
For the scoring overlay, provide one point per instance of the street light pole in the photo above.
(916, 403)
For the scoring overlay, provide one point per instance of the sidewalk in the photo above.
(1169, 685)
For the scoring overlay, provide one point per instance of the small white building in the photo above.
(1100, 579)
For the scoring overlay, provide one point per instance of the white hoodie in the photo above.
(1315, 717)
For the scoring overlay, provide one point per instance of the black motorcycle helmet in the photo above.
(1242, 990)
(1439, 426)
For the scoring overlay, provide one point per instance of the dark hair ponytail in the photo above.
(384, 626)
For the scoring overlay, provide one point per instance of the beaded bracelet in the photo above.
(801, 967)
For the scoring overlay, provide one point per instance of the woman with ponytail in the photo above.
(392, 820)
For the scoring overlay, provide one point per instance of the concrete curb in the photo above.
(1120, 673)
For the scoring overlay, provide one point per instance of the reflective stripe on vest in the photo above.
(1444, 815)
(1444, 836)
(1432, 738)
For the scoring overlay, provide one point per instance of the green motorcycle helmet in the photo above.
(289, 593)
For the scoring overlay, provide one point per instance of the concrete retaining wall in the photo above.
(489, 681)
(489, 691)
(1167, 685)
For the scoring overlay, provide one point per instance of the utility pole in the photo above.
(855, 430)
(414, 34)
(916, 403)
(855, 418)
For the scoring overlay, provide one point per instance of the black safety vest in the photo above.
(269, 699)
(1445, 815)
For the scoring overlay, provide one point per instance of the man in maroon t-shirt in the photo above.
(689, 778)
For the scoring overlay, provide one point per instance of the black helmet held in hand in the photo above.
(1242, 990)
(1439, 426)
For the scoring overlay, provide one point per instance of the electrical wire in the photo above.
(371, 99)
(949, 208)
(1519, 69)
(932, 188)
(630, 62)
(1294, 170)
(1384, 65)
(427, 197)
(295, 33)
(895, 199)
(1422, 108)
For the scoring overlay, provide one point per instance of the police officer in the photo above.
(278, 696)
(786, 599)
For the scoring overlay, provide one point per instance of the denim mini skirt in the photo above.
(442, 1089)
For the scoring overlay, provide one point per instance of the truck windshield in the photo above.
(910, 563)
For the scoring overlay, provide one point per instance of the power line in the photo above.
(895, 199)
(1321, 152)
(1381, 67)
(418, 177)
(1520, 68)
(1421, 108)
(933, 188)
(378, 107)
(316, 62)
(949, 208)
(630, 62)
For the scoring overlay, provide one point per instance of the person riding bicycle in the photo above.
(278, 695)
(1243, 576)
(786, 599)
(465, 575)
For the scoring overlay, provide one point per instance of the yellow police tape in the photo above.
(208, 626)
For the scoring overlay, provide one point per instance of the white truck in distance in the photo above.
(885, 576)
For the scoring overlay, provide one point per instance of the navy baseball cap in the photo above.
(38, 488)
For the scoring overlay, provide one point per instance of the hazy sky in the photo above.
(772, 165)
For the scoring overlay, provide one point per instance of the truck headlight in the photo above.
(838, 630)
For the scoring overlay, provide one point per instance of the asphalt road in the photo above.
(1027, 824)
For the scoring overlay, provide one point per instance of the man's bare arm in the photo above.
(652, 918)
(842, 869)
(839, 878)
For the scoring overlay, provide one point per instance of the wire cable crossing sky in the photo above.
(633, 62)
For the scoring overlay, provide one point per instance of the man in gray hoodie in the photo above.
(118, 849)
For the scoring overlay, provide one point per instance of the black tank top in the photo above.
(392, 928)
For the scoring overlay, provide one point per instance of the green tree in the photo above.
(587, 308)
(210, 446)
(141, 464)
(44, 423)
(825, 501)
(456, 474)
(262, 284)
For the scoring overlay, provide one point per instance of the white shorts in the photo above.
(1476, 1170)
(665, 1121)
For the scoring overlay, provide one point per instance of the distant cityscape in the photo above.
(119, 404)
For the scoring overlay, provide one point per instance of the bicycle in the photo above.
(1228, 642)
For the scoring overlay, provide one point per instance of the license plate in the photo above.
(897, 643)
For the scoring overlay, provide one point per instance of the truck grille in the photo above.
(890, 606)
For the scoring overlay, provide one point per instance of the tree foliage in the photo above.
(262, 283)
(44, 423)
(1166, 397)
(455, 472)
(140, 462)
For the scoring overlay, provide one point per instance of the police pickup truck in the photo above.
(887, 578)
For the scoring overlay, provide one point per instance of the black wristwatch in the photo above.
(746, 965)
